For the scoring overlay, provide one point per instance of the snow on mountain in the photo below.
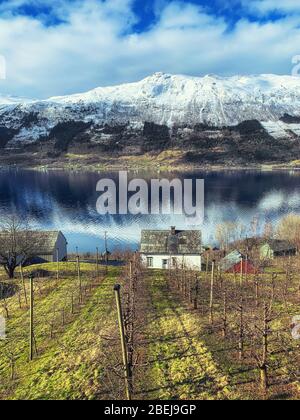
(13, 100)
(166, 100)
(281, 130)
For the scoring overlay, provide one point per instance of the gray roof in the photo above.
(42, 242)
(183, 242)
(45, 240)
(231, 260)
(278, 245)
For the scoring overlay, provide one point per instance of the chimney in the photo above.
(173, 230)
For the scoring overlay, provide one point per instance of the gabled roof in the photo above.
(41, 242)
(231, 260)
(45, 241)
(278, 245)
(180, 242)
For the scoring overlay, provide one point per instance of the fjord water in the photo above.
(66, 201)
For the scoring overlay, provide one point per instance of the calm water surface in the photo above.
(66, 201)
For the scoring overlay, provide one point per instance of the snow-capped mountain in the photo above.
(167, 99)
(162, 99)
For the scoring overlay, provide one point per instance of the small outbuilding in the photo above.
(49, 246)
(277, 248)
(235, 262)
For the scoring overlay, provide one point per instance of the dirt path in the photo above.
(179, 364)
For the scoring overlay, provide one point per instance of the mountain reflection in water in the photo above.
(66, 201)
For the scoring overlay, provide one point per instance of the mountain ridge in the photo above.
(210, 99)
(210, 119)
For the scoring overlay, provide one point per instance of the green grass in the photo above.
(182, 357)
(183, 367)
(69, 365)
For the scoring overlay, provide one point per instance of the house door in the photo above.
(165, 264)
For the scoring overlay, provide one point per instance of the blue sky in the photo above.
(56, 47)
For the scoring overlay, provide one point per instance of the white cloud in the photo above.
(266, 6)
(95, 46)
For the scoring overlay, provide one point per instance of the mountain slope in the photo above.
(167, 99)
(160, 112)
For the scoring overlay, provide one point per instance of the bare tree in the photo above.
(289, 229)
(16, 244)
(228, 233)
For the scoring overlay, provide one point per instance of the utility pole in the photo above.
(31, 320)
(117, 290)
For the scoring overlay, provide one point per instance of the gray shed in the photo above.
(49, 246)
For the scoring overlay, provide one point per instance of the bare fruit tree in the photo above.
(289, 229)
(16, 244)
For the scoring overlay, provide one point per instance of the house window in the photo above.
(165, 264)
(150, 262)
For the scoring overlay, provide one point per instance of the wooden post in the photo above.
(256, 294)
(79, 279)
(241, 278)
(241, 330)
(24, 285)
(207, 263)
(225, 315)
(182, 276)
(72, 303)
(31, 320)
(211, 304)
(97, 262)
(264, 365)
(191, 288)
(57, 261)
(12, 367)
(63, 317)
(117, 289)
(106, 253)
(196, 293)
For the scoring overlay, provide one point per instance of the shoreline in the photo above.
(167, 162)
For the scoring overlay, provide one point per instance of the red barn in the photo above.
(235, 262)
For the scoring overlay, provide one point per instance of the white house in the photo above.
(164, 249)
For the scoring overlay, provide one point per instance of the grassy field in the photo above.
(181, 367)
(68, 364)
(272, 295)
(178, 354)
